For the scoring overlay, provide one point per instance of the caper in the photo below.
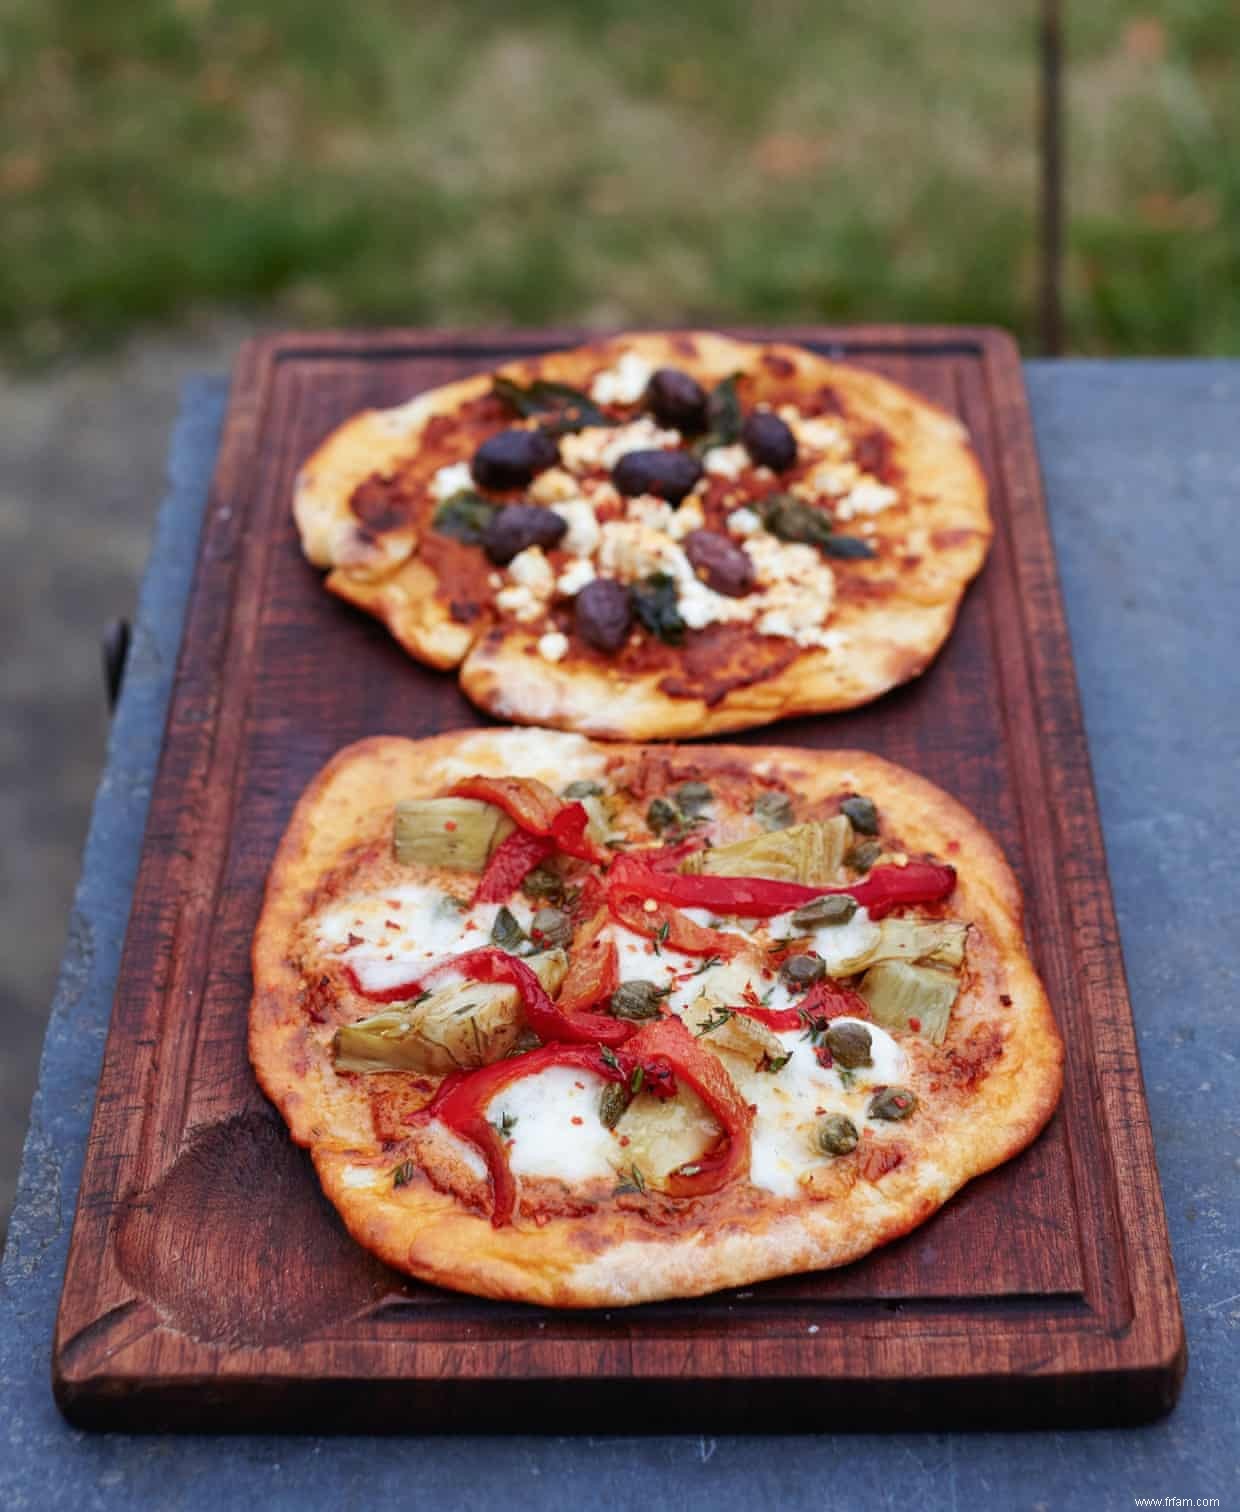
(850, 1045)
(552, 929)
(802, 970)
(635, 1000)
(584, 787)
(612, 1103)
(862, 814)
(507, 933)
(835, 908)
(773, 811)
(544, 882)
(891, 1104)
(693, 797)
(661, 815)
(863, 856)
(835, 1134)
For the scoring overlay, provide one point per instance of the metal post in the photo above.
(1050, 57)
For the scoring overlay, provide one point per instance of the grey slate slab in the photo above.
(1142, 465)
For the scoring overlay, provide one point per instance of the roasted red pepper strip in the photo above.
(532, 806)
(885, 888)
(668, 925)
(669, 1040)
(824, 1001)
(593, 970)
(462, 1102)
(542, 1014)
(511, 862)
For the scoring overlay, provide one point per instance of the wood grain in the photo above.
(209, 1285)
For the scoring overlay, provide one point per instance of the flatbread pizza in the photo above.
(656, 535)
(591, 1025)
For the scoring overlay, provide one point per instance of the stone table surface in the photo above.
(1142, 467)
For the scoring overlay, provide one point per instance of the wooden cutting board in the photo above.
(209, 1285)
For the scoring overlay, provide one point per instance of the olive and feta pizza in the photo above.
(590, 1025)
(656, 535)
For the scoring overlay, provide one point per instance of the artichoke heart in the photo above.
(459, 833)
(737, 1034)
(939, 942)
(662, 1136)
(902, 996)
(456, 1028)
(810, 853)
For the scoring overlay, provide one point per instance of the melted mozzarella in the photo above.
(404, 932)
(544, 1139)
(791, 1101)
(837, 944)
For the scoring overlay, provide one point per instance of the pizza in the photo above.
(657, 535)
(592, 1024)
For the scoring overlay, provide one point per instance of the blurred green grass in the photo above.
(614, 163)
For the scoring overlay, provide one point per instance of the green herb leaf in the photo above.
(560, 407)
(608, 1057)
(507, 1123)
(637, 1081)
(654, 604)
(464, 516)
(707, 964)
(776, 1062)
(717, 1022)
(403, 1174)
(846, 548)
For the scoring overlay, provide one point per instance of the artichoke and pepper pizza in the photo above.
(587, 1024)
(655, 536)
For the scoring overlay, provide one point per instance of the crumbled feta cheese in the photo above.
(531, 569)
(631, 550)
(687, 518)
(518, 601)
(554, 487)
(575, 577)
(451, 480)
(726, 461)
(623, 384)
(701, 606)
(581, 537)
(827, 478)
(651, 511)
(868, 497)
(604, 445)
(798, 589)
(818, 433)
(553, 646)
(744, 521)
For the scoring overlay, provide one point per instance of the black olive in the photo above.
(602, 614)
(720, 562)
(668, 474)
(512, 457)
(516, 526)
(677, 401)
(769, 441)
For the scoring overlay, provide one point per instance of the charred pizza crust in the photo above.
(364, 501)
(984, 1094)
